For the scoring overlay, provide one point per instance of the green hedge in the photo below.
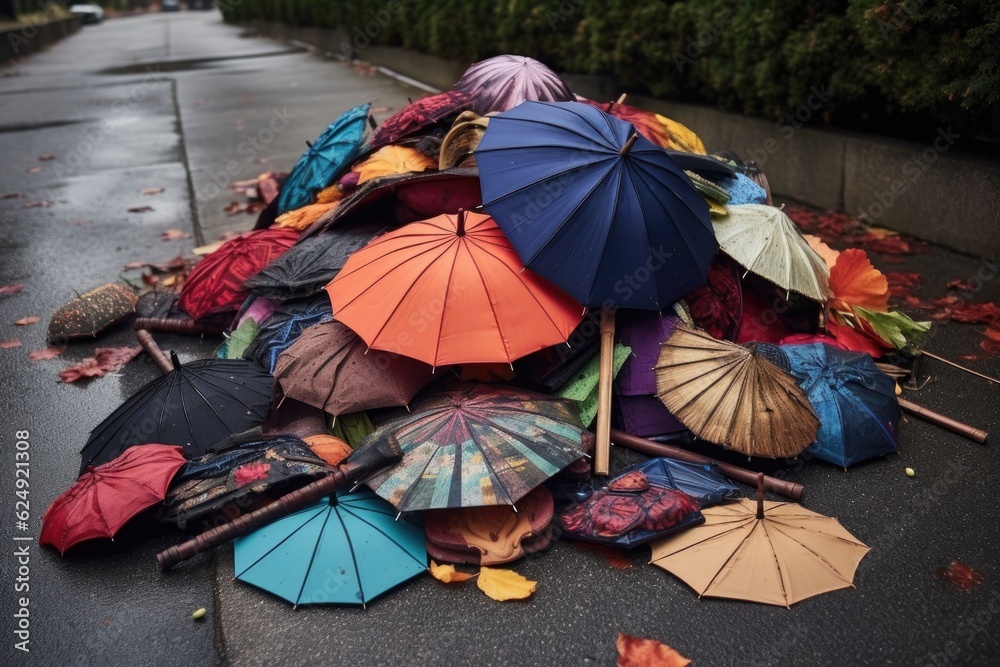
(878, 59)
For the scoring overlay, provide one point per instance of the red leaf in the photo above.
(150, 191)
(991, 343)
(140, 209)
(639, 652)
(36, 204)
(173, 235)
(44, 354)
(900, 283)
(616, 558)
(105, 360)
(960, 575)
(959, 285)
(855, 340)
(9, 343)
(26, 321)
(11, 289)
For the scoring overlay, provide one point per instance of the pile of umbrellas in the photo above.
(438, 310)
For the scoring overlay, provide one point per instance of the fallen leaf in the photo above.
(503, 585)
(855, 282)
(639, 652)
(173, 235)
(25, 321)
(828, 254)
(178, 263)
(45, 157)
(9, 343)
(960, 575)
(616, 558)
(12, 195)
(150, 191)
(959, 285)
(991, 343)
(45, 203)
(33, 170)
(105, 360)
(11, 289)
(44, 354)
(448, 574)
(857, 341)
(140, 209)
(899, 283)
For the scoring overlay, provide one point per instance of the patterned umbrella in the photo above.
(502, 82)
(419, 114)
(90, 313)
(476, 445)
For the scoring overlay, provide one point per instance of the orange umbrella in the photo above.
(450, 290)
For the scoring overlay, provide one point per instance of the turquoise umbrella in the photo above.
(335, 148)
(345, 549)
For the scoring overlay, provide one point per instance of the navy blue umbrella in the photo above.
(598, 210)
(854, 400)
(335, 148)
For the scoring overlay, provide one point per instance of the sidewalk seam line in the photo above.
(199, 236)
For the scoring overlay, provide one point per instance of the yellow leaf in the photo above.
(504, 585)
(447, 573)
(390, 160)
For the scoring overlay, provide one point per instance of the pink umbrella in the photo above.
(503, 82)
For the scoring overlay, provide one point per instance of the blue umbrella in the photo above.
(702, 481)
(335, 148)
(598, 210)
(854, 400)
(345, 549)
(283, 328)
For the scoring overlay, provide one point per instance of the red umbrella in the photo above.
(104, 498)
(502, 82)
(216, 283)
(418, 114)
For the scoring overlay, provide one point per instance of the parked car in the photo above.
(90, 13)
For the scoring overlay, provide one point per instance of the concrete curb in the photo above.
(944, 196)
(24, 40)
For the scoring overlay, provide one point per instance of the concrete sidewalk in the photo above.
(189, 104)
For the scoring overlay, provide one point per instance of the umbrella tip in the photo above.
(628, 144)
(175, 360)
(461, 222)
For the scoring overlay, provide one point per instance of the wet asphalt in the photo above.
(186, 103)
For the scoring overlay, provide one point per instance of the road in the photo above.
(187, 104)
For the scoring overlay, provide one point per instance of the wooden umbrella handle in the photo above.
(602, 448)
(149, 344)
(939, 419)
(774, 485)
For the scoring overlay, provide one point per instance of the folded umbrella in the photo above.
(450, 290)
(503, 82)
(597, 209)
(347, 548)
(335, 148)
(215, 285)
(107, 496)
(855, 401)
(90, 313)
(195, 405)
(475, 445)
(420, 114)
(330, 367)
(282, 329)
(733, 395)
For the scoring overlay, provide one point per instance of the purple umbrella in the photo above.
(640, 411)
(503, 82)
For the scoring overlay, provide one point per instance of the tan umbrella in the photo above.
(766, 242)
(731, 395)
(767, 552)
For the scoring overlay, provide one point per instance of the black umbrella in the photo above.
(195, 405)
(305, 269)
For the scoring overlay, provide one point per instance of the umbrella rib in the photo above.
(365, 521)
(722, 567)
(354, 557)
(447, 290)
(312, 557)
(140, 404)
(277, 544)
(818, 555)
(777, 560)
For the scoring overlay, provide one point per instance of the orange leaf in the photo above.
(448, 574)
(503, 585)
(327, 447)
(828, 254)
(390, 160)
(855, 282)
(25, 321)
(639, 652)
(300, 218)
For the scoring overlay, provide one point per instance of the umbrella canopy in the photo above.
(642, 332)
(703, 482)
(766, 242)
(216, 283)
(503, 82)
(645, 122)
(282, 329)
(345, 549)
(476, 445)
(450, 290)
(336, 147)
(419, 114)
(328, 368)
(105, 497)
(767, 552)
(733, 396)
(855, 401)
(598, 210)
(195, 405)
(90, 313)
